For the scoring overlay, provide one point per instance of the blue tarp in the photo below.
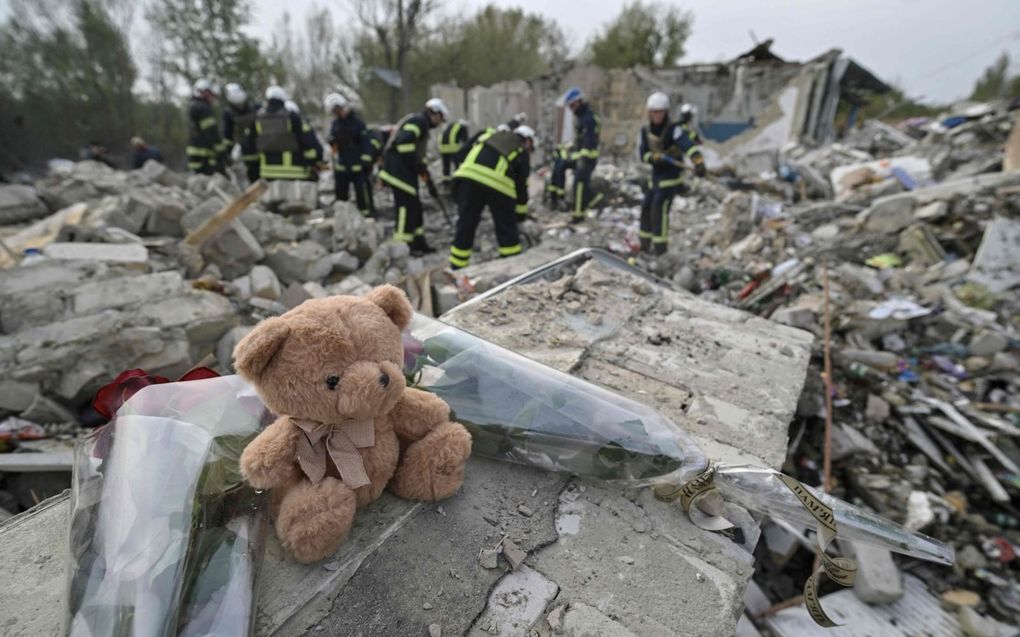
(721, 131)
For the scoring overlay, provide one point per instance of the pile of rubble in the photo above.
(919, 240)
(98, 280)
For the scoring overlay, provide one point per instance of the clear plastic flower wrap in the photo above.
(521, 411)
(165, 537)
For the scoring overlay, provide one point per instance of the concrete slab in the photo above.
(618, 559)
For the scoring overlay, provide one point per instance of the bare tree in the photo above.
(317, 60)
(397, 27)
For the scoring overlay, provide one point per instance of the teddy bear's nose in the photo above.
(384, 379)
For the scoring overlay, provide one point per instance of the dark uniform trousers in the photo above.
(346, 176)
(472, 198)
(654, 232)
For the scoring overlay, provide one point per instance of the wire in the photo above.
(994, 43)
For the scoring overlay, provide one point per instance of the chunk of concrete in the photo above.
(225, 347)
(106, 252)
(264, 283)
(126, 291)
(996, 264)
(879, 580)
(987, 343)
(848, 441)
(205, 316)
(46, 411)
(291, 196)
(582, 619)
(887, 215)
(344, 262)
(16, 396)
(517, 602)
(165, 219)
(20, 203)
(299, 262)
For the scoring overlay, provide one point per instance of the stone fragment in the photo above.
(264, 283)
(299, 262)
(879, 580)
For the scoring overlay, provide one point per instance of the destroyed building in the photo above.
(895, 245)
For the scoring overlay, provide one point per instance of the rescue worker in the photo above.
(494, 173)
(450, 144)
(404, 164)
(238, 120)
(688, 113)
(286, 144)
(205, 149)
(97, 151)
(585, 152)
(664, 145)
(347, 139)
(557, 186)
(143, 152)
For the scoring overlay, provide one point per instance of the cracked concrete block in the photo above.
(234, 248)
(107, 252)
(299, 262)
(17, 395)
(264, 283)
(879, 580)
(582, 619)
(205, 316)
(20, 203)
(45, 411)
(125, 291)
(165, 219)
(517, 602)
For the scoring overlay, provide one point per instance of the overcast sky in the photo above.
(933, 48)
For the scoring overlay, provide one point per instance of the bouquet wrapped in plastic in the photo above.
(521, 411)
(166, 539)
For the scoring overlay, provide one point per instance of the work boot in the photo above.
(420, 247)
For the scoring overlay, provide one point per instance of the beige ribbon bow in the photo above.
(339, 443)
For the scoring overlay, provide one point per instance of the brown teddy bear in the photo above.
(348, 426)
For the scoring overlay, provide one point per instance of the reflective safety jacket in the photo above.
(673, 142)
(499, 161)
(204, 141)
(586, 133)
(346, 136)
(286, 145)
(372, 146)
(237, 129)
(404, 153)
(453, 138)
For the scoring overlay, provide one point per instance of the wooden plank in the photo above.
(226, 214)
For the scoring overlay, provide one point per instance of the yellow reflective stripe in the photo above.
(310, 153)
(419, 231)
(578, 210)
(669, 183)
(250, 157)
(305, 127)
(510, 250)
(521, 208)
(460, 263)
(586, 152)
(487, 177)
(693, 149)
(406, 148)
(644, 234)
(460, 252)
(646, 157)
(207, 122)
(400, 233)
(411, 126)
(198, 151)
(356, 168)
(275, 171)
(375, 142)
(663, 234)
(398, 183)
(366, 158)
(448, 149)
(195, 164)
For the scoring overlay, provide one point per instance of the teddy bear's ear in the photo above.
(254, 352)
(394, 302)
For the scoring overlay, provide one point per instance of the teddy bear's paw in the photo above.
(433, 467)
(314, 519)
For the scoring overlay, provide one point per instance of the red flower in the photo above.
(110, 397)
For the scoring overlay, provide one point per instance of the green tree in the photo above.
(651, 35)
(995, 83)
(206, 39)
(66, 77)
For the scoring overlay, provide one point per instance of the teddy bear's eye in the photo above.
(332, 382)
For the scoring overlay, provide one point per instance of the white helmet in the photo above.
(526, 132)
(657, 102)
(335, 100)
(521, 117)
(275, 92)
(688, 109)
(201, 86)
(503, 127)
(235, 94)
(437, 105)
(292, 106)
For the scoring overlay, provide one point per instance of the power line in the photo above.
(969, 56)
